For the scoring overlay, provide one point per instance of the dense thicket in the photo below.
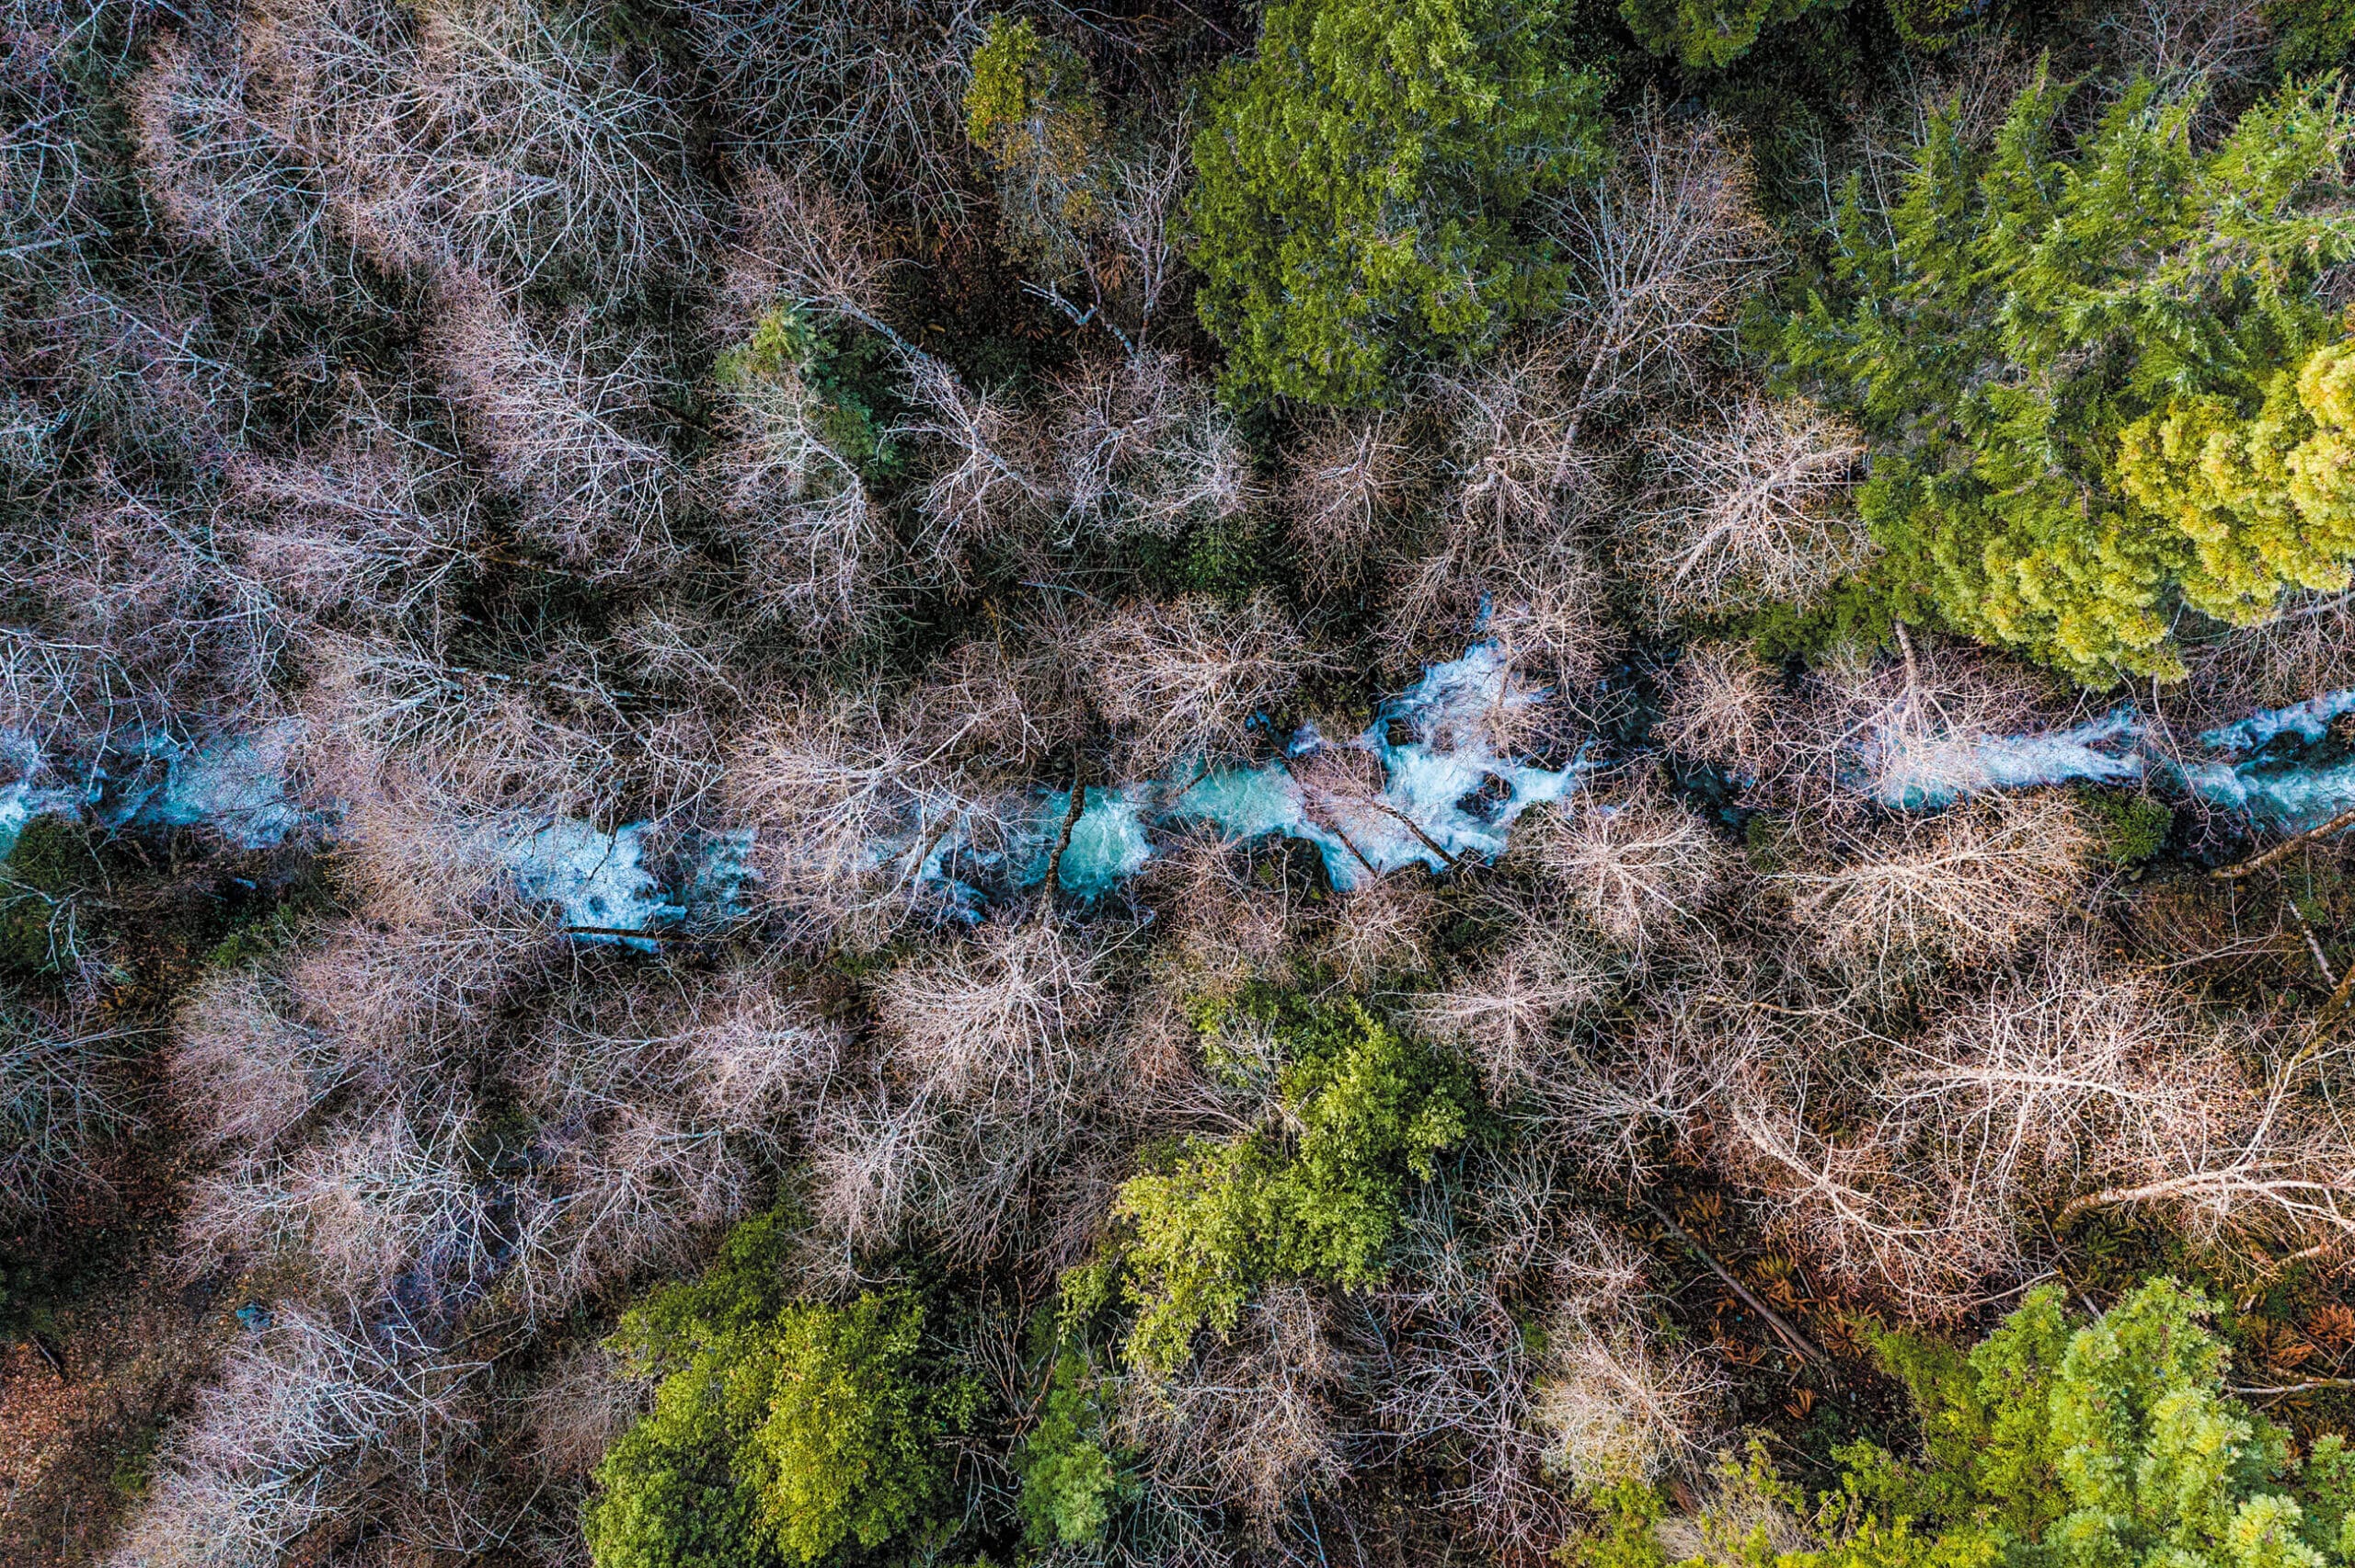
(855, 785)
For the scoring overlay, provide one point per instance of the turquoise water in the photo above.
(1447, 793)
(596, 879)
(2279, 767)
(236, 784)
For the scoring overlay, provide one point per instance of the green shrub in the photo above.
(1933, 24)
(1768, 839)
(1359, 183)
(1711, 34)
(1070, 1480)
(845, 1452)
(2310, 35)
(845, 372)
(2132, 828)
(258, 942)
(779, 1435)
(1621, 1530)
(1857, 612)
(2046, 342)
(1707, 34)
(1032, 109)
(1366, 1107)
(2111, 1444)
(43, 923)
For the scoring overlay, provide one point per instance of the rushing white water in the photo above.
(1926, 772)
(1109, 841)
(20, 803)
(2278, 766)
(2309, 721)
(1447, 793)
(235, 784)
(1449, 790)
(598, 879)
(601, 882)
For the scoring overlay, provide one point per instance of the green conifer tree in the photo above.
(1360, 184)
(2112, 1444)
(2039, 333)
(1710, 34)
(781, 1436)
(1367, 1109)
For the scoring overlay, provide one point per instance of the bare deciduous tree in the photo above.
(1966, 884)
(245, 1066)
(1253, 1421)
(389, 1200)
(61, 1095)
(653, 1114)
(577, 1406)
(2308, 650)
(1003, 1016)
(877, 1159)
(1620, 1114)
(1666, 244)
(811, 544)
(2195, 39)
(223, 175)
(635, 1186)
(1143, 272)
(1748, 506)
(1349, 479)
(983, 473)
(1638, 869)
(1720, 707)
(569, 420)
(438, 765)
(871, 94)
(2055, 1072)
(1224, 926)
(891, 1167)
(541, 152)
(852, 808)
(1140, 449)
(1380, 929)
(1010, 702)
(146, 619)
(1515, 460)
(1616, 1402)
(2263, 1156)
(800, 241)
(365, 533)
(1187, 678)
(750, 1055)
(399, 1000)
(1512, 562)
(493, 137)
(305, 1419)
(1505, 1009)
(2062, 1086)
(1458, 1375)
(1856, 1204)
(1907, 731)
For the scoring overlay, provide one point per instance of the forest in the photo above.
(1169, 784)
